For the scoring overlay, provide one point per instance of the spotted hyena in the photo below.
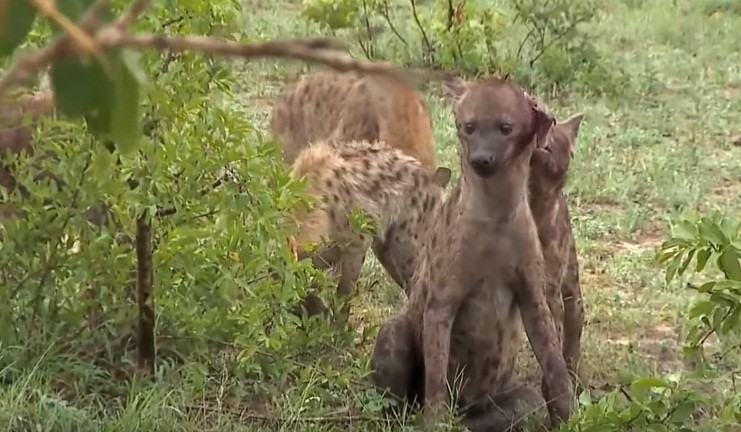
(480, 277)
(396, 189)
(349, 106)
(548, 169)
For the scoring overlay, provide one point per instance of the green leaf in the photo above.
(125, 126)
(666, 254)
(706, 287)
(99, 119)
(711, 232)
(732, 322)
(686, 262)
(16, 20)
(703, 307)
(585, 398)
(671, 269)
(657, 408)
(730, 227)
(718, 317)
(685, 230)
(640, 387)
(682, 412)
(649, 382)
(730, 264)
(692, 352)
(671, 243)
(77, 85)
(702, 258)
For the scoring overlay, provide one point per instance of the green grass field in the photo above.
(670, 147)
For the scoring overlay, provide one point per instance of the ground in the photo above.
(641, 161)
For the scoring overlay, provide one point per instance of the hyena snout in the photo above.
(483, 163)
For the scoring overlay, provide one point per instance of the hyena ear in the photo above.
(571, 126)
(543, 121)
(441, 177)
(454, 87)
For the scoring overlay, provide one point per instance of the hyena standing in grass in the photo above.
(548, 169)
(392, 187)
(345, 107)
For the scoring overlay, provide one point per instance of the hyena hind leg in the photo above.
(396, 363)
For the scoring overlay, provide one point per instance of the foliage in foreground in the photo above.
(224, 277)
(709, 249)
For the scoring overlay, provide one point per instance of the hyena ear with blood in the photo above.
(543, 121)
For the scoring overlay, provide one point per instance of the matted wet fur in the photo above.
(349, 106)
(548, 170)
(481, 276)
(394, 188)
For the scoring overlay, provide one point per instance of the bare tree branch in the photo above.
(331, 52)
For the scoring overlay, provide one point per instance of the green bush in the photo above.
(542, 44)
(224, 276)
(708, 248)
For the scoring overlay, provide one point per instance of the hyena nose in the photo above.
(482, 164)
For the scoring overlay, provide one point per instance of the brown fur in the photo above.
(394, 188)
(16, 138)
(548, 169)
(33, 106)
(349, 106)
(481, 272)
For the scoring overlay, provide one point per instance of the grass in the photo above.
(662, 150)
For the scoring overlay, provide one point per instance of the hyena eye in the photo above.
(505, 128)
(469, 128)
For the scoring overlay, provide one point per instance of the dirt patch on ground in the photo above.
(600, 205)
(649, 238)
(732, 91)
(727, 189)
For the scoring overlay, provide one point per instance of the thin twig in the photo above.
(169, 211)
(421, 29)
(451, 14)
(553, 40)
(387, 16)
(523, 42)
(307, 50)
(171, 21)
(369, 33)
